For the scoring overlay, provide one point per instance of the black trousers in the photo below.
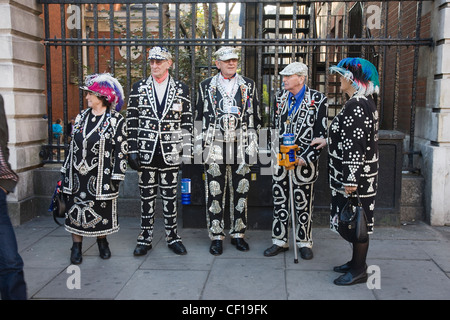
(154, 177)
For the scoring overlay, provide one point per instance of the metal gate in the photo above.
(82, 37)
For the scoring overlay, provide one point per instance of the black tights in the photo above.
(358, 262)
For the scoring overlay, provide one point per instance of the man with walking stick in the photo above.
(300, 116)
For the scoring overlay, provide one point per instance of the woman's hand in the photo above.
(350, 189)
(319, 142)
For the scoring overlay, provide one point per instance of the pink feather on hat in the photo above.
(105, 85)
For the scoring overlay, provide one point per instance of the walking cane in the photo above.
(288, 159)
(294, 231)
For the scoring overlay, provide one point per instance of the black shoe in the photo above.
(348, 279)
(178, 248)
(274, 250)
(75, 255)
(240, 244)
(344, 268)
(103, 248)
(141, 249)
(306, 253)
(216, 247)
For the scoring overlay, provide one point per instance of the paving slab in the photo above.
(99, 279)
(318, 285)
(412, 280)
(246, 279)
(164, 285)
(411, 262)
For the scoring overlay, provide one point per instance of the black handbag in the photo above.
(58, 204)
(352, 224)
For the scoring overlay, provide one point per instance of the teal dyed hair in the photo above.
(361, 72)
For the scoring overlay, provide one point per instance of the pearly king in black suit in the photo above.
(306, 122)
(159, 135)
(228, 145)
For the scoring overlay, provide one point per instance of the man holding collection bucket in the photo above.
(300, 116)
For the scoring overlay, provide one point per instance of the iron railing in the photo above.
(96, 36)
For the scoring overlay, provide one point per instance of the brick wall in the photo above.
(405, 68)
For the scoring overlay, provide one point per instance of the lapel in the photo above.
(151, 95)
(106, 123)
(304, 105)
(79, 122)
(283, 108)
(171, 93)
(244, 91)
(212, 91)
(306, 99)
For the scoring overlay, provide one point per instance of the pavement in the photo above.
(409, 262)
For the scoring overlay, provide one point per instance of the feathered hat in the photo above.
(362, 74)
(105, 85)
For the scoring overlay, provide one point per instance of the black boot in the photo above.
(216, 248)
(75, 255)
(103, 248)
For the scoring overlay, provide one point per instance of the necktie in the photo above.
(292, 105)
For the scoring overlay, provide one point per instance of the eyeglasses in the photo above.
(230, 61)
(156, 61)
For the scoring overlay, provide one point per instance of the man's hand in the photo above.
(292, 158)
(133, 161)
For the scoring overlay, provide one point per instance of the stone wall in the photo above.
(433, 120)
(22, 85)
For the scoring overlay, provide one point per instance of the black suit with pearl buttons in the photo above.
(159, 133)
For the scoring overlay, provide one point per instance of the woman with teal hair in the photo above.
(353, 156)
